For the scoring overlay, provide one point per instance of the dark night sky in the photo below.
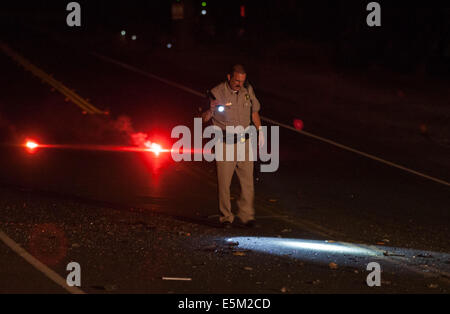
(409, 30)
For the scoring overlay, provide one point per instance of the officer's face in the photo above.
(237, 81)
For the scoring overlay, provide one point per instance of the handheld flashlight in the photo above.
(221, 108)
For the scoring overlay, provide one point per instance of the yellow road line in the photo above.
(71, 95)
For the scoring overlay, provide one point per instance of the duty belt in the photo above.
(236, 137)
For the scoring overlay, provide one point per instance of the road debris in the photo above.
(425, 255)
(333, 265)
(177, 278)
(210, 248)
(111, 287)
(386, 253)
(108, 287)
(313, 282)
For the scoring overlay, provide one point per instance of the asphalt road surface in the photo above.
(131, 218)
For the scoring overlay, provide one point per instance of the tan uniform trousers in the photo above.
(244, 171)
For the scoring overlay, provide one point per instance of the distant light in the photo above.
(298, 124)
(204, 4)
(123, 33)
(169, 45)
(221, 108)
(134, 37)
(203, 12)
(242, 10)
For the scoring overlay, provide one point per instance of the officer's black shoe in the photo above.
(226, 225)
(250, 223)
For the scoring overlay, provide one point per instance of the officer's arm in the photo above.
(256, 119)
(207, 115)
(255, 108)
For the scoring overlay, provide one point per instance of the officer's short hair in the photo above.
(239, 68)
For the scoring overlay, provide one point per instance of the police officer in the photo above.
(233, 103)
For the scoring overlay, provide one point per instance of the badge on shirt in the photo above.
(247, 96)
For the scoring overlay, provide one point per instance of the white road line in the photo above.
(147, 74)
(331, 142)
(389, 163)
(49, 273)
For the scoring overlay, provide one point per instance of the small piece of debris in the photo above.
(248, 268)
(313, 282)
(105, 287)
(284, 290)
(177, 278)
(239, 253)
(75, 245)
(210, 248)
(333, 265)
(111, 287)
(286, 230)
(273, 200)
(425, 255)
(433, 286)
(386, 253)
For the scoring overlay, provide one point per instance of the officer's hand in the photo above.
(213, 104)
(261, 140)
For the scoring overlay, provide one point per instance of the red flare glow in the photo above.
(298, 124)
(31, 146)
(155, 148)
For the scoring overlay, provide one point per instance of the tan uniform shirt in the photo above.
(238, 106)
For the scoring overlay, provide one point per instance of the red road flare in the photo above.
(154, 148)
